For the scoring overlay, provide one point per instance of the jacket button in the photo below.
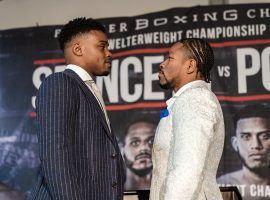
(114, 184)
(114, 155)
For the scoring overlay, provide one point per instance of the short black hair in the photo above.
(202, 52)
(135, 120)
(253, 110)
(76, 27)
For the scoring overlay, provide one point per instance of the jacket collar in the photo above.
(193, 84)
(90, 98)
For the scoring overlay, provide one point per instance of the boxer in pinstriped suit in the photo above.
(80, 158)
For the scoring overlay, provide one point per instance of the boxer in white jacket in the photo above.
(190, 136)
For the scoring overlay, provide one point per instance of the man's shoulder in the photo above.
(199, 95)
(198, 90)
(59, 82)
(58, 77)
(231, 178)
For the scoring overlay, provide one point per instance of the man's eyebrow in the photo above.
(134, 138)
(245, 133)
(262, 132)
(103, 42)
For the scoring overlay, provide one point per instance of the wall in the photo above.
(25, 13)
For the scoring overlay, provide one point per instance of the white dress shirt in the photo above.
(88, 80)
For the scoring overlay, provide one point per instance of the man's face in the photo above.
(173, 69)
(96, 56)
(252, 142)
(138, 147)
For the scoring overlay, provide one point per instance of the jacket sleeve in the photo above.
(56, 115)
(193, 130)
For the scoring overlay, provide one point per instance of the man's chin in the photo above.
(141, 172)
(165, 86)
(104, 73)
(257, 168)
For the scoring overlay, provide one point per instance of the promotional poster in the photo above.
(239, 36)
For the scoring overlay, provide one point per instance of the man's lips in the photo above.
(256, 156)
(143, 156)
(108, 61)
(161, 73)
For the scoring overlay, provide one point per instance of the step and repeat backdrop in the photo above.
(240, 37)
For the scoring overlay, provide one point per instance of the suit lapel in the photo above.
(91, 99)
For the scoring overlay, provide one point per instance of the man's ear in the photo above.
(77, 49)
(121, 147)
(192, 66)
(234, 143)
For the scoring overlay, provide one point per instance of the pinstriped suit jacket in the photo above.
(80, 158)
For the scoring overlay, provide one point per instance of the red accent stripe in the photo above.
(163, 104)
(214, 45)
(49, 61)
(140, 51)
(135, 105)
(161, 50)
(244, 98)
(33, 114)
(240, 43)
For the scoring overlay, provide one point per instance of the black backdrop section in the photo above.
(239, 35)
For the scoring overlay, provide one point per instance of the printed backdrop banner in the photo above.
(239, 35)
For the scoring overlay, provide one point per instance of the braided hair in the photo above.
(202, 53)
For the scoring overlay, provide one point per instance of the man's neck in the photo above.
(184, 82)
(255, 178)
(137, 182)
(136, 177)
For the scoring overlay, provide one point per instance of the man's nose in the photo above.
(256, 143)
(108, 53)
(145, 147)
(161, 65)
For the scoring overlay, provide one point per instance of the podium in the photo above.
(137, 195)
(228, 193)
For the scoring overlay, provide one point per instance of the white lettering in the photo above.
(242, 66)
